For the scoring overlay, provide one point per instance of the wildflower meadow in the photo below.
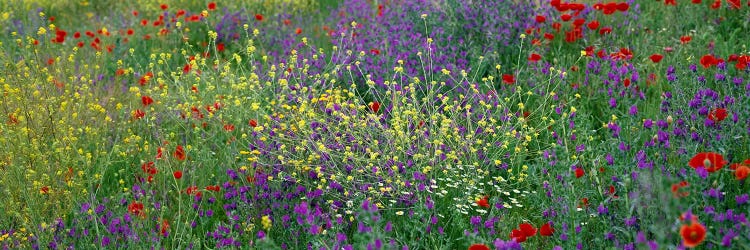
(374, 124)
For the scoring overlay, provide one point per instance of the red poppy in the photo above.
(527, 229)
(228, 127)
(517, 235)
(375, 106)
(220, 47)
(718, 114)
(566, 17)
(509, 79)
(656, 58)
(534, 57)
(735, 4)
(375, 51)
(177, 174)
(138, 114)
(697, 1)
(149, 168)
(556, 26)
(626, 82)
(146, 100)
(623, 6)
(693, 234)
(259, 17)
(676, 189)
(716, 4)
(708, 61)
(540, 19)
(546, 230)
(609, 8)
(670, 2)
(484, 202)
(163, 6)
(135, 208)
(159, 153)
(709, 160)
(685, 39)
(212, 6)
(164, 227)
(593, 25)
(579, 172)
(179, 153)
(742, 62)
(298, 31)
(605, 30)
(44, 190)
(741, 172)
(191, 190)
(479, 247)
(252, 123)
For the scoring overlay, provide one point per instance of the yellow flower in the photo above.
(266, 222)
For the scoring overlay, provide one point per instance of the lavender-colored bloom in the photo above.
(633, 110)
(701, 171)
(640, 237)
(507, 245)
(726, 241)
(261, 234)
(476, 220)
(742, 199)
(602, 209)
(631, 222)
(648, 123)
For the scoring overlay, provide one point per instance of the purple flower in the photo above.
(602, 209)
(476, 220)
(742, 199)
(261, 234)
(701, 171)
(633, 110)
(507, 245)
(640, 237)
